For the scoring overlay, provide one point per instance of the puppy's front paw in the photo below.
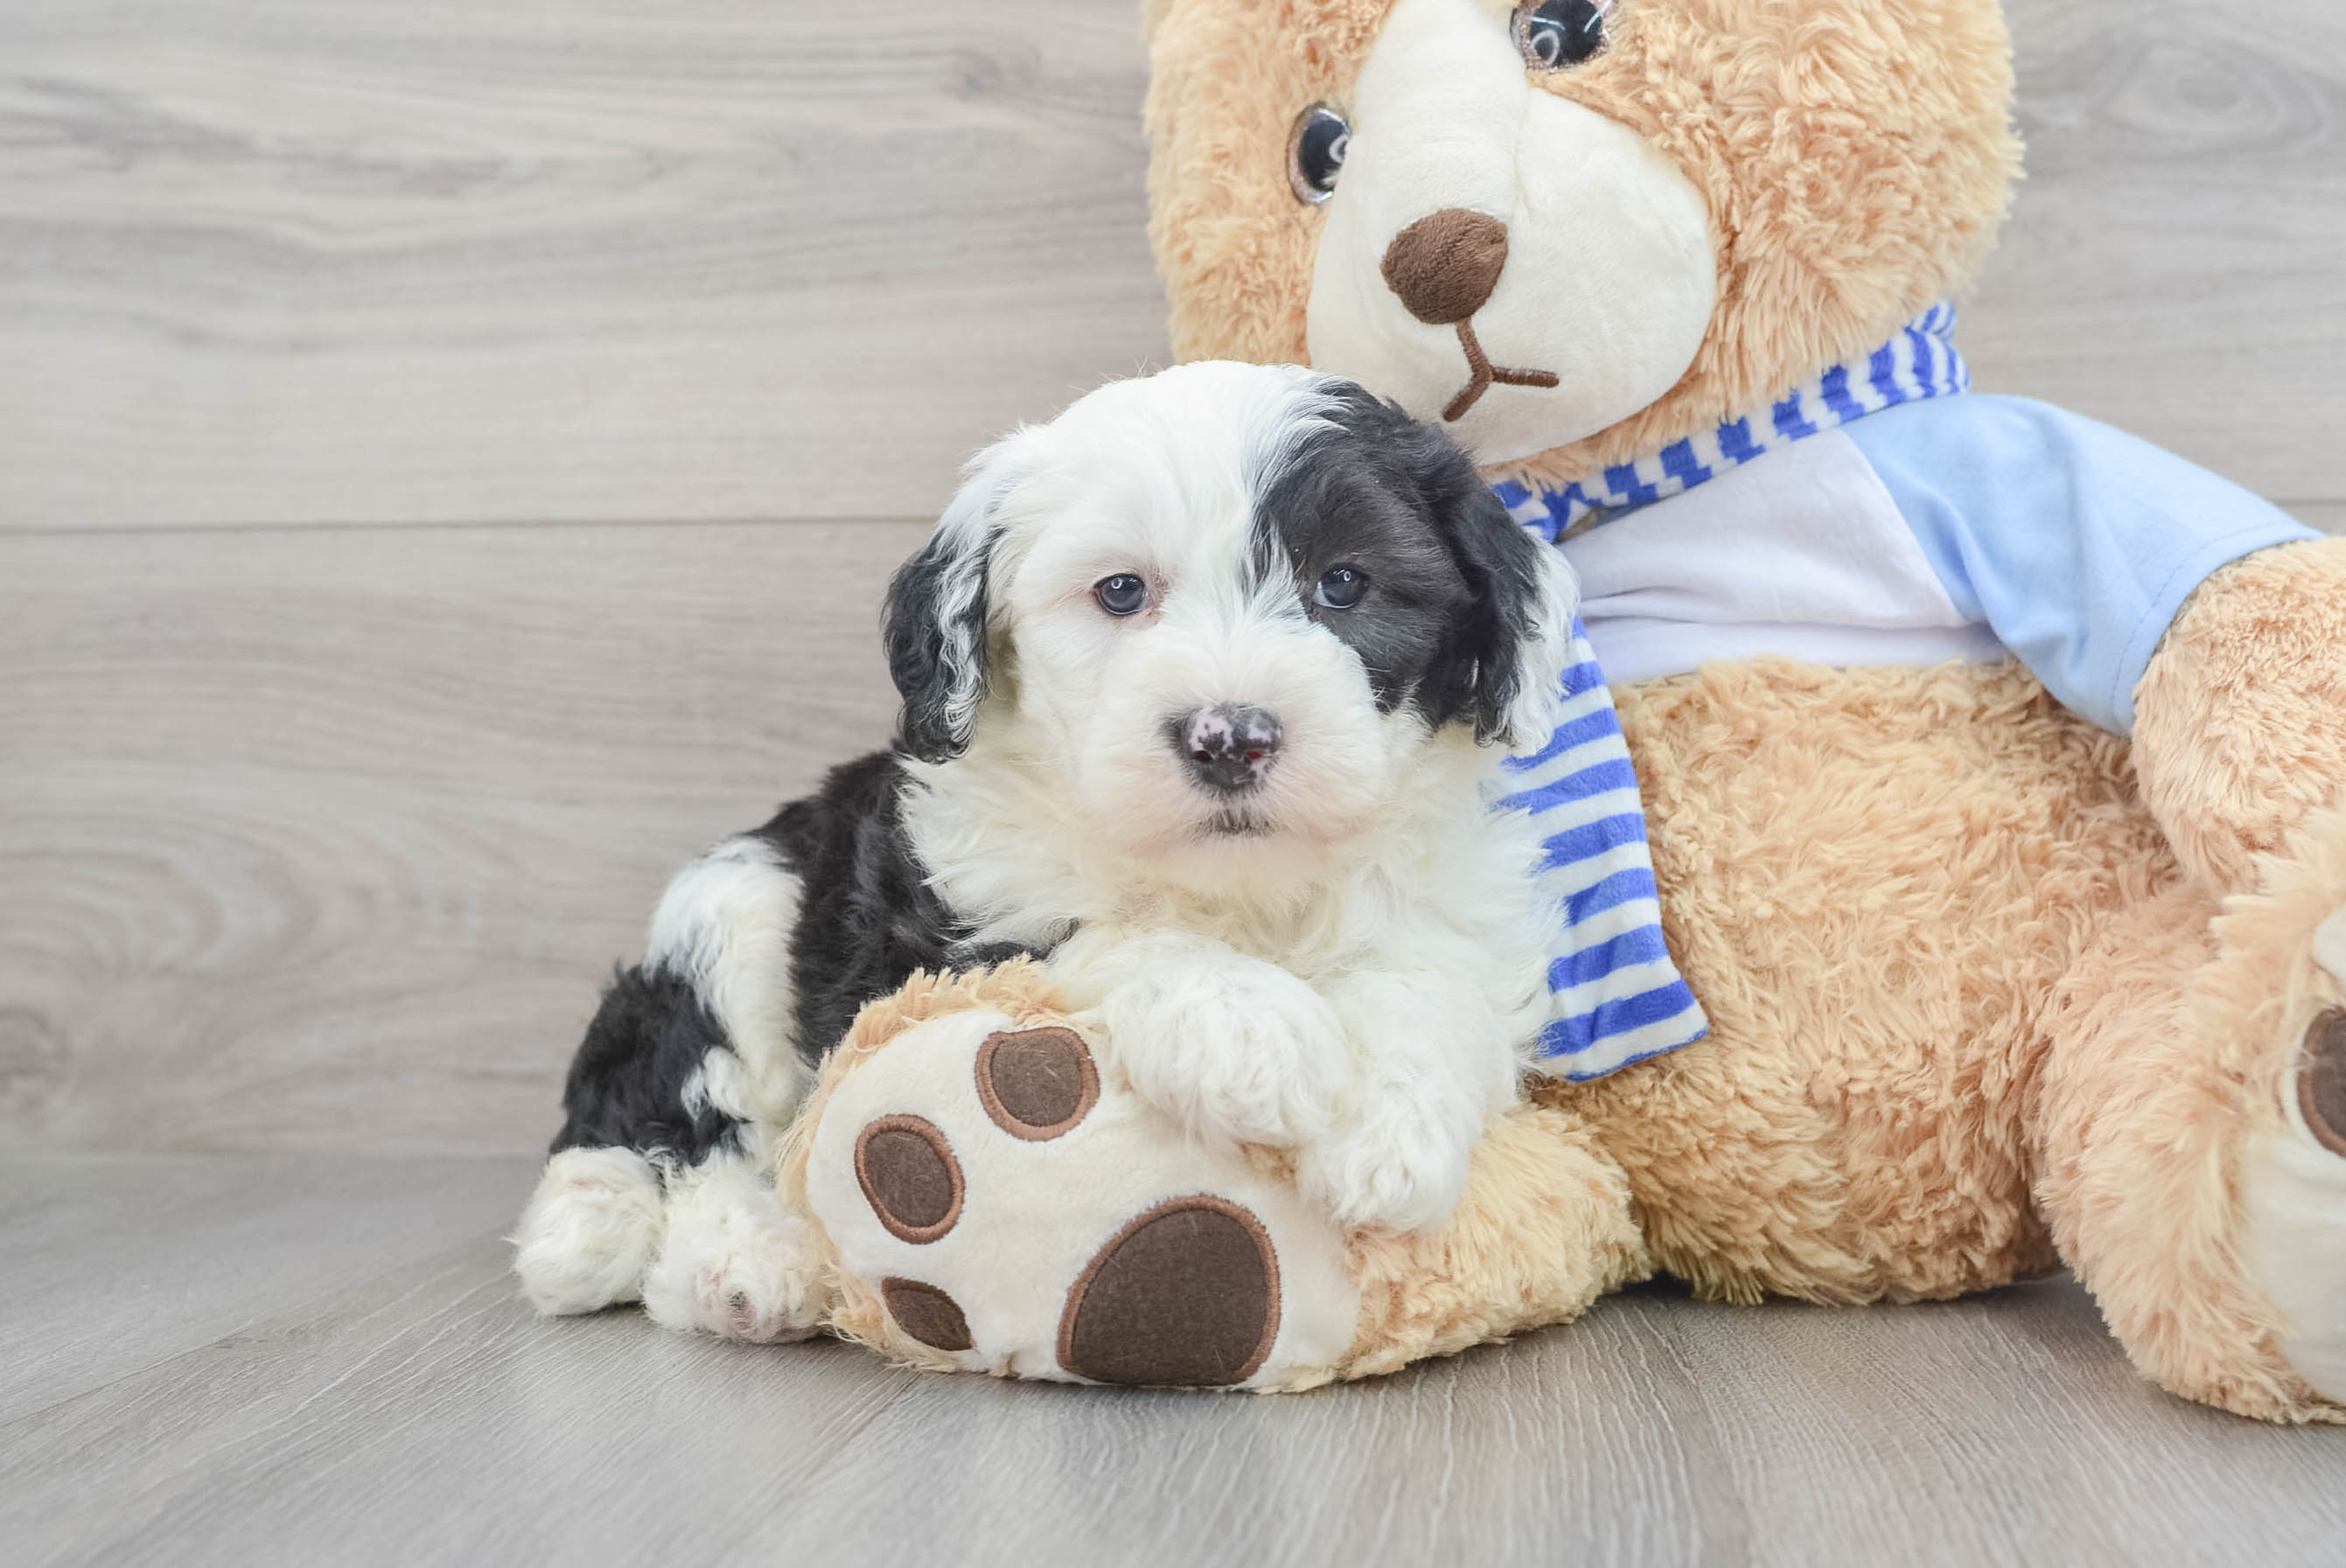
(1232, 1046)
(1400, 1167)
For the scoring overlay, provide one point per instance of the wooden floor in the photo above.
(450, 451)
(299, 1360)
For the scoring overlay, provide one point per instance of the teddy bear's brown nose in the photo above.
(1445, 265)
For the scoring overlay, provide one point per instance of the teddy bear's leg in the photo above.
(991, 1196)
(2190, 1133)
(2240, 718)
(731, 1262)
(1543, 1229)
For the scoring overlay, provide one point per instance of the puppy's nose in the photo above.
(1445, 265)
(1228, 749)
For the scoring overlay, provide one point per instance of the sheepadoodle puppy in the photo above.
(1202, 685)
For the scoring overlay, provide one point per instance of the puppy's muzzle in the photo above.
(1229, 749)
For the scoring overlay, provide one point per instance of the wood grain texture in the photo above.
(287, 261)
(294, 261)
(425, 1417)
(2176, 263)
(323, 839)
(116, 1262)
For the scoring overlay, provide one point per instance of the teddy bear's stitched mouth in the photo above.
(1482, 375)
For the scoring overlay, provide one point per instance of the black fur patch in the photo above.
(867, 920)
(625, 1087)
(867, 916)
(933, 626)
(1453, 578)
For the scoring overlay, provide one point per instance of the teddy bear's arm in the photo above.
(2076, 544)
(2241, 717)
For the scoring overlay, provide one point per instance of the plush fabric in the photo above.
(1117, 1251)
(1991, 988)
(1617, 997)
(1856, 155)
(1919, 363)
(2238, 731)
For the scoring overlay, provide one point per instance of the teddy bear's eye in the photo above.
(1557, 35)
(1315, 153)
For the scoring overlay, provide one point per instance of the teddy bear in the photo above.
(1991, 758)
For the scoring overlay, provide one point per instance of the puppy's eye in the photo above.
(1315, 153)
(1557, 35)
(1341, 588)
(1122, 594)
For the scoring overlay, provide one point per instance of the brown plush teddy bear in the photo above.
(1990, 756)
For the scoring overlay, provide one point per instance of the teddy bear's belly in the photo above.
(1873, 878)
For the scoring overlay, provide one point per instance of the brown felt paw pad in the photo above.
(909, 1176)
(2322, 1081)
(1036, 1084)
(1185, 1295)
(926, 1313)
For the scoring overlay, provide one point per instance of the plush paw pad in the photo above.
(926, 1313)
(2292, 1198)
(910, 1177)
(1010, 1205)
(2322, 1081)
(1187, 1295)
(1036, 1084)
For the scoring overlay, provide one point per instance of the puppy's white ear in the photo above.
(933, 622)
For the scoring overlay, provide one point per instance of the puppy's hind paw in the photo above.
(734, 1264)
(589, 1231)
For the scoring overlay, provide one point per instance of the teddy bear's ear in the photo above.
(933, 622)
(1152, 14)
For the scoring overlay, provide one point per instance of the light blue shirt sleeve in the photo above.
(2076, 542)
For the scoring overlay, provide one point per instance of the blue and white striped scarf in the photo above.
(1617, 997)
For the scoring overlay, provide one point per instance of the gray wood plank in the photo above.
(2175, 264)
(116, 1262)
(425, 1417)
(343, 260)
(278, 260)
(324, 840)
(2330, 516)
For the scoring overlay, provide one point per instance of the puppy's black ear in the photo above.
(1503, 664)
(934, 622)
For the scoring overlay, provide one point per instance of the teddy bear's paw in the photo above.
(2293, 1188)
(1003, 1205)
(1234, 1048)
(1400, 1167)
(734, 1264)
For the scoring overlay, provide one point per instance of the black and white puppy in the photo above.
(1201, 683)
